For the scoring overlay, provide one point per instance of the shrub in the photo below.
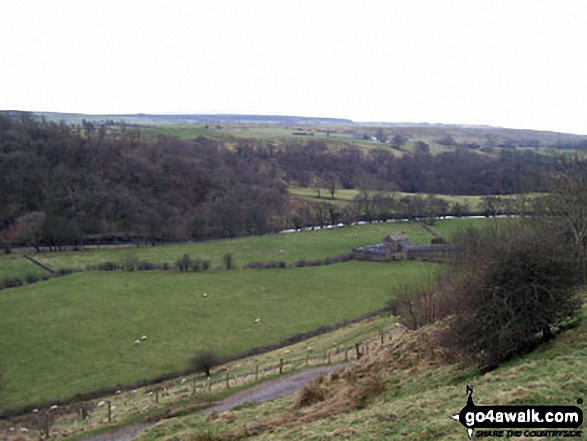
(196, 264)
(511, 285)
(204, 361)
(65, 271)
(12, 282)
(107, 266)
(31, 278)
(228, 261)
(183, 263)
(205, 265)
(146, 266)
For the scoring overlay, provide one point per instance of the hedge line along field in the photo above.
(309, 245)
(75, 334)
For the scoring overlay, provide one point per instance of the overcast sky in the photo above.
(519, 64)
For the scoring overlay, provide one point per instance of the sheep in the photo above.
(205, 295)
(101, 403)
(287, 351)
(143, 338)
(136, 342)
(53, 407)
(257, 321)
(310, 349)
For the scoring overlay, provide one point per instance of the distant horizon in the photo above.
(356, 122)
(493, 63)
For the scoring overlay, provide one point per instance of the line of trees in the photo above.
(64, 185)
(510, 286)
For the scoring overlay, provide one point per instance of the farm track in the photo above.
(270, 390)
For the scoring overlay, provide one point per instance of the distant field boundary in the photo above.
(36, 262)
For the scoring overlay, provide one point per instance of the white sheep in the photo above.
(143, 338)
(257, 321)
(205, 295)
(101, 403)
(310, 349)
(136, 342)
(53, 407)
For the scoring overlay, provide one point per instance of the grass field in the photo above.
(347, 195)
(15, 265)
(418, 400)
(76, 333)
(289, 247)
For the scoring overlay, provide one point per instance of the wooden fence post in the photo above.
(257, 372)
(307, 359)
(346, 355)
(329, 359)
(109, 411)
(194, 386)
(156, 395)
(280, 366)
(46, 424)
(227, 381)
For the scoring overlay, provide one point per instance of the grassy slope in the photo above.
(420, 399)
(75, 333)
(287, 247)
(347, 195)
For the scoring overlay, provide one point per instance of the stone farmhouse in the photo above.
(392, 245)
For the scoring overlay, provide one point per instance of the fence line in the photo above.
(224, 379)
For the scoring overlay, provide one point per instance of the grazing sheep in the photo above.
(287, 351)
(24, 430)
(136, 342)
(205, 295)
(118, 392)
(101, 403)
(257, 321)
(53, 407)
(183, 381)
(310, 349)
(143, 338)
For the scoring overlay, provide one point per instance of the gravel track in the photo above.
(267, 391)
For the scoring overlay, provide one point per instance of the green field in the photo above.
(15, 265)
(418, 401)
(76, 333)
(347, 195)
(289, 247)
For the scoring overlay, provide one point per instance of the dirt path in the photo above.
(270, 390)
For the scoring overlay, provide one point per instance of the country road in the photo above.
(270, 390)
